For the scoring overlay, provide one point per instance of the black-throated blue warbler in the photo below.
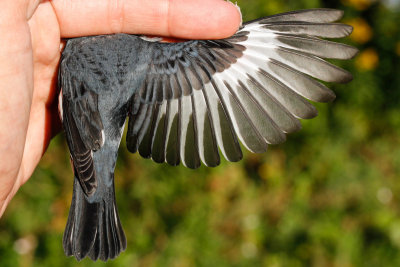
(185, 102)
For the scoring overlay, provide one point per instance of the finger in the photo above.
(45, 39)
(15, 95)
(191, 19)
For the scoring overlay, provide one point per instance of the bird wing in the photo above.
(202, 95)
(81, 120)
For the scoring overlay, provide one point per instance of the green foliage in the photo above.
(327, 197)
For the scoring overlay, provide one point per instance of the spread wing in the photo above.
(202, 96)
(81, 120)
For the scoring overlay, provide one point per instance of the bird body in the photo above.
(186, 102)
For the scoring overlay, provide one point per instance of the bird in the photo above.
(186, 102)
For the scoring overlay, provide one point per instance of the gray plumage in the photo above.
(185, 102)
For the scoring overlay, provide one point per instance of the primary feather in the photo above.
(258, 80)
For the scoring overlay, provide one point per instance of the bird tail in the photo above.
(93, 228)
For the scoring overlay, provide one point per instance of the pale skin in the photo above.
(31, 33)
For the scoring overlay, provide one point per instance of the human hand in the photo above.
(30, 41)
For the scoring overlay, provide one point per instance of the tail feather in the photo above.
(93, 229)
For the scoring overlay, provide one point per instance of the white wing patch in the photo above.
(256, 100)
(60, 107)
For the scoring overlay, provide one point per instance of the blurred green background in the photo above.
(327, 197)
